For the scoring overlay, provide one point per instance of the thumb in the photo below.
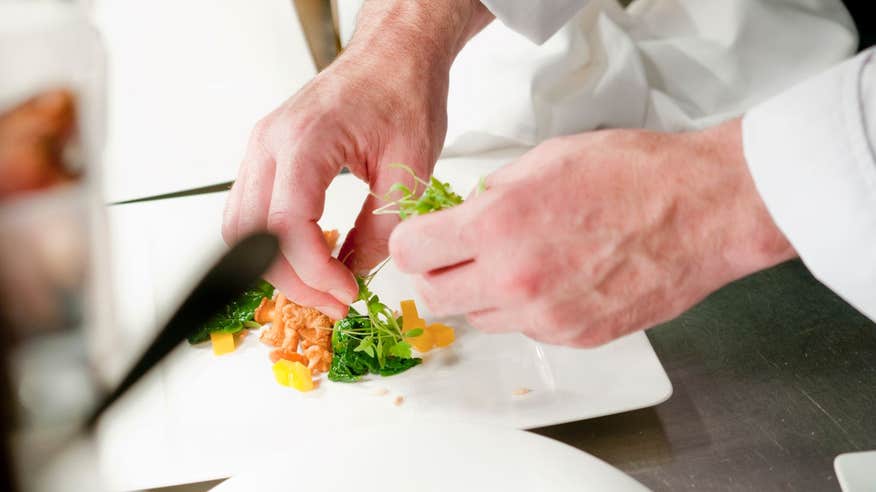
(367, 244)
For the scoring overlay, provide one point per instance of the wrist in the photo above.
(751, 241)
(432, 32)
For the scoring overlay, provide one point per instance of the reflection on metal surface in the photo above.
(774, 376)
(319, 22)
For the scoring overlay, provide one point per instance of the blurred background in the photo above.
(114, 101)
(109, 101)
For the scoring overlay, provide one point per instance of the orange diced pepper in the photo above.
(442, 334)
(422, 342)
(410, 317)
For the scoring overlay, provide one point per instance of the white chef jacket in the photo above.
(658, 64)
(811, 153)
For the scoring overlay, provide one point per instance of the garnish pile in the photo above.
(307, 342)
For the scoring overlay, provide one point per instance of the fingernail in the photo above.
(344, 297)
(331, 311)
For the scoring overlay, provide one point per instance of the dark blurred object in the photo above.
(7, 480)
(232, 275)
(865, 21)
(319, 21)
(34, 140)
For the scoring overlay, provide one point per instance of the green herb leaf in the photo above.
(401, 349)
(236, 316)
(369, 343)
(436, 196)
(413, 333)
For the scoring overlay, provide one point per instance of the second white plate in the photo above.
(426, 456)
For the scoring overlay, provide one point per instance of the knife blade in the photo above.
(235, 272)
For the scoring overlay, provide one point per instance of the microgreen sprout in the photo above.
(381, 336)
(436, 196)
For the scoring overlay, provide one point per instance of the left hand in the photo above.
(590, 237)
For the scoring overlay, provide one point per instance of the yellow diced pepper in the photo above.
(282, 369)
(301, 377)
(442, 334)
(410, 316)
(223, 343)
(293, 374)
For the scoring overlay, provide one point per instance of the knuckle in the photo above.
(468, 235)
(427, 294)
(554, 320)
(586, 341)
(279, 221)
(495, 224)
(261, 132)
(595, 335)
(525, 282)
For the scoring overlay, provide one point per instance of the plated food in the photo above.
(305, 343)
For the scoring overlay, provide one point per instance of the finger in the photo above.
(255, 177)
(284, 278)
(437, 240)
(255, 194)
(520, 320)
(460, 289)
(230, 215)
(547, 337)
(296, 204)
(367, 244)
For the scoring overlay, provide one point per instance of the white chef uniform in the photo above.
(658, 64)
(811, 152)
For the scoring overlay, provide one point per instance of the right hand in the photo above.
(369, 109)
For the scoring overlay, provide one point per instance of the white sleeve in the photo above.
(811, 153)
(536, 19)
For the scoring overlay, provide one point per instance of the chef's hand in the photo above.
(590, 237)
(382, 102)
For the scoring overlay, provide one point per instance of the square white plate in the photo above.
(201, 417)
(856, 472)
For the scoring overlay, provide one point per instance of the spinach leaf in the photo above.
(350, 364)
(235, 316)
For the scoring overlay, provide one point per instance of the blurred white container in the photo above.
(52, 242)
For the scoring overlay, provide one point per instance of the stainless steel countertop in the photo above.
(774, 376)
